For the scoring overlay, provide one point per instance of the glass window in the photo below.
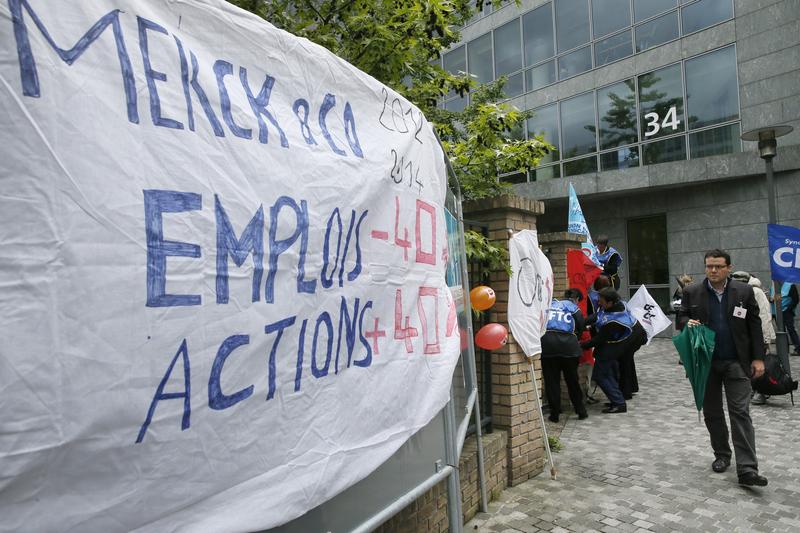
(479, 55)
(574, 63)
(517, 177)
(616, 109)
(705, 13)
(644, 9)
(711, 88)
(609, 16)
(537, 31)
(455, 62)
(577, 125)
(622, 158)
(514, 85)
(538, 77)
(661, 103)
(457, 104)
(586, 165)
(657, 31)
(673, 149)
(545, 173)
(545, 122)
(572, 23)
(507, 48)
(648, 257)
(724, 140)
(613, 48)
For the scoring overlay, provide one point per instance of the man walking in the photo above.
(730, 309)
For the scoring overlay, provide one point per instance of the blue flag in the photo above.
(576, 223)
(784, 252)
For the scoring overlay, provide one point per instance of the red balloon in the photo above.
(482, 297)
(491, 336)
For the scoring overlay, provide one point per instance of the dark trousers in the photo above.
(788, 325)
(628, 382)
(730, 375)
(552, 368)
(605, 374)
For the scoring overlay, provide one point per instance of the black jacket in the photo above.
(747, 335)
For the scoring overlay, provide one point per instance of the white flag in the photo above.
(648, 313)
(530, 291)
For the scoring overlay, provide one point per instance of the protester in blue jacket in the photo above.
(617, 333)
(789, 301)
(561, 352)
(610, 259)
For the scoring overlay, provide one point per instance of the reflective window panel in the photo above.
(616, 109)
(673, 149)
(517, 177)
(712, 88)
(609, 16)
(613, 48)
(538, 77)
(586, 165)
(537, 33)
(574, 63)
(514, 85)
(545, 122)
(545, 173)
(507, 48)
(657, 31)
(457, 104)
(644, 9)
(572, 23)
(661, 103)
(724, 140)
(455, 62)
(577, 125)
(479, 57)
(622, 158)
(705, 13)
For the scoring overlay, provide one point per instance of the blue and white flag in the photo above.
(784, 252)
(576, 223)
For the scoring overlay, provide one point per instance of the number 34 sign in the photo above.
(655, 124)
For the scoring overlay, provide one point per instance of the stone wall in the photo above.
(429, 512)
(513, 404)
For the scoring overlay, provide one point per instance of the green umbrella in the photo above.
(695, 346)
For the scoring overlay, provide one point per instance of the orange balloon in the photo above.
(491, 336)
(482, 297)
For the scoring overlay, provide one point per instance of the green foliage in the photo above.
(555, 443)
(483, 252)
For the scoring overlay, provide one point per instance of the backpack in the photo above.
(775, 381)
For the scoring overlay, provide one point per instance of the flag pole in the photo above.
(553, 470)
(530, 358)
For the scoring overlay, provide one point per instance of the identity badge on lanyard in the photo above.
(739, 311)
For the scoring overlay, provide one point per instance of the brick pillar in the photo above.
(556, 246)
(513, 403)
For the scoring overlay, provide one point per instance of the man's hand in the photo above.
(757, 368)
(692, 323)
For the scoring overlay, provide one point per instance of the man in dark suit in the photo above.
(730, 309)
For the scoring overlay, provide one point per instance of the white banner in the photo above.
(649, 314)
(222, 267)
(530, 291)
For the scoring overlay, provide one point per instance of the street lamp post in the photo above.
(767, 150)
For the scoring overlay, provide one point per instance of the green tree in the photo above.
(399, 43)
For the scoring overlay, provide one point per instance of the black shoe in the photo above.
(553, 417)
(616, 409)
(628, 396)
(583, 416)
(752, 479)
(607, 404)
(720, 465)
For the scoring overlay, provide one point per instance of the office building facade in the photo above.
(644, 102)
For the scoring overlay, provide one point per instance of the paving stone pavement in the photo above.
(650, 468)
